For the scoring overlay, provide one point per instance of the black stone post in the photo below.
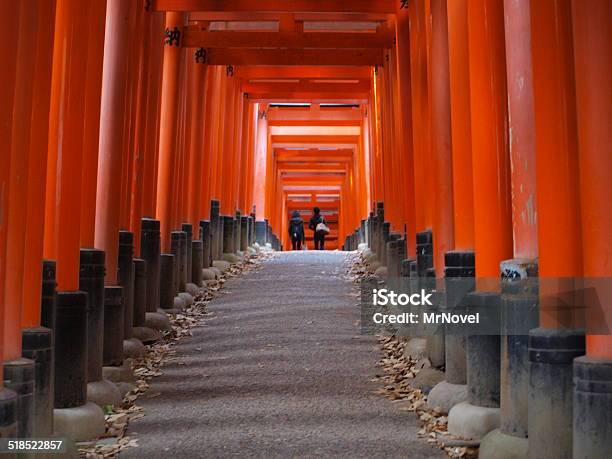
(37, 346)
(182, 268)
(175, 249)
(196, 262)
(206, 237)
(71, 350)
(125, 278)
(8, 413)
(188, 230)
(47, 307)
(261, 229)
(237, 231)
(228, 234)
(244, 233)
(550, 417)
(91, 281)
(167, 282)
(215, 230)
(19, 377)
(140, 292)
(150, 252)
(592, 408)
(113, 326)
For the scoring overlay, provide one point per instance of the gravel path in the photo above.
(280, 371)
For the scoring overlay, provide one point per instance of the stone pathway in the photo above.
(280, 371)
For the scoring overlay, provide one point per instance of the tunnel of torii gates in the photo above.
(142, 140)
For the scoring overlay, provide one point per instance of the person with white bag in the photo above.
(317, 224)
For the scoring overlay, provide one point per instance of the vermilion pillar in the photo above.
(592, 28)
(93, 92)
(443, 224)
(196, 141)
(38, 144)
(63, 191)
(9, 20)
(18, 182)
(490, 161)
(112, 131)
(153, 76)
(556, 343)
(402, 48)
(168, 126)
(261, 162)
(461, 126)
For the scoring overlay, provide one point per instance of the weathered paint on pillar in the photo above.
(490, 161)
(521, 130)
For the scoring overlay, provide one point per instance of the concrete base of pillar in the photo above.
(133, 348)
(187, 298)
(435, 350)
(231, 258)
(498, 445)
(209, 274)
(147, 335)
(416, 348)
(157, 321)
(124, 373)
(103, 393)
(251, 251)
(221, 265)
(445, 395)
(179, 305)
(427, 379)
(193, 289)
(363, 247)
(382, 272)
(370, 257)
(125, 387)
(374, 265)
(80, 423)
(470, 421)
(19, 376)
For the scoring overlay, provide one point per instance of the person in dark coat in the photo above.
(296, 230)
(319, 236)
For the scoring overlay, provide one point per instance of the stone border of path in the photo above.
(407, 376)
(158, 354)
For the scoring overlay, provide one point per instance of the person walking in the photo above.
(317, 224)
(296, 230)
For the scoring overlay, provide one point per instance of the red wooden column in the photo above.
(153, 60)
(262, 173)
(41, 98)
(168, 126)
(461, 126)
(10, 22)
(91, 138)
(63, 191)
(197, 107)
(112, 134)
(207, 143)
(492, 207)
(420, 76)
(402, 49)
(559, 231)
(592, 30)
(443, 223)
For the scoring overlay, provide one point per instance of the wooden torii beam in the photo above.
(303, 71)
(196, 37)
(278, 6)
(359, 87)
(330, 57)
